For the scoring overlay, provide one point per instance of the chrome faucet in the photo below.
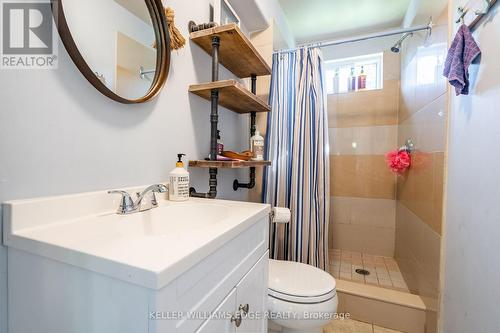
(127, 204)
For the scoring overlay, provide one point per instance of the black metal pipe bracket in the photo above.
(253, 127)
(214, 121)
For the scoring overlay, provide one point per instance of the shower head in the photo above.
(397, 47)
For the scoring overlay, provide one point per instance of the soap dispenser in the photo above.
(179, 181)
(257, 146)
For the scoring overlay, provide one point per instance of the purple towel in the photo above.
(462, 52)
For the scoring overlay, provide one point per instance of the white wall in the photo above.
(272, 11)
(472, 269)
(359, 48)
(59, 135)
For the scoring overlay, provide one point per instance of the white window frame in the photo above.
(359, 61)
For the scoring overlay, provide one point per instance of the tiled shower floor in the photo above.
(384, 271)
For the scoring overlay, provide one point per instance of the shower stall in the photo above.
(385, 229)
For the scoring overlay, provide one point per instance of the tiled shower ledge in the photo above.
(384, 271)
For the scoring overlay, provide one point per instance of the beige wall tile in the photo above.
(427, 127)
(422, 117)
(372, 107)
(422, 67)
(371, 140)
(365, 108)
(332, 107)
(365, 176)
(421, 189)
(417, 252)
(362, 238)
(364, 124)
(392, 66)
(363, 211)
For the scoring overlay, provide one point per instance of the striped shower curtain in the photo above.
(297, 145)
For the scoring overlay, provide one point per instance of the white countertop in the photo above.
(150, 249)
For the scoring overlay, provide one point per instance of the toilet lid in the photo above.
(299, 282)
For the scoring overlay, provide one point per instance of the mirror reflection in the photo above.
(117, 43)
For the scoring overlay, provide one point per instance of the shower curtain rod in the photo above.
(365, 37)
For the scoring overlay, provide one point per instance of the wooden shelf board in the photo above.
(228, 164)
(236, 52)
(232, 95)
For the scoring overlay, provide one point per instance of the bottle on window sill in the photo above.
(352, 81)
(362, 79)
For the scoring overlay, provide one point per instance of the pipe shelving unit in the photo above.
(230, 47)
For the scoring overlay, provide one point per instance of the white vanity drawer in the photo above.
(203, 287)
(221, 325)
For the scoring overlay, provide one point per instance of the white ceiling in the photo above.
(317, 20)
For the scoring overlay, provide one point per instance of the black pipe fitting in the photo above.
(214, 121)
(253, 129)
(249, 185)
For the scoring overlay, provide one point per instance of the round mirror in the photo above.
(120, 46)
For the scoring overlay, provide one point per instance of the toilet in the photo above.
(301, 298)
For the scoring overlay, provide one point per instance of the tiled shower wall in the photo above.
(422, 118)
(363, 127)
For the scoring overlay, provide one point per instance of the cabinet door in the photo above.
(221, 324)
(252, 292)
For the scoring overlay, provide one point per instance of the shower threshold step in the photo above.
(397, 310)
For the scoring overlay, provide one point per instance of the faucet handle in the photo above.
(142, 204)
(126, 204)
(161, 189)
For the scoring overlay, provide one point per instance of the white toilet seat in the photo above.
(299, 283)
(301, 299)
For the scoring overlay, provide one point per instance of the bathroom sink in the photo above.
(172, 219)
(168, 220)
(148, 248)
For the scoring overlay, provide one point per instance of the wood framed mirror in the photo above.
(121, 46)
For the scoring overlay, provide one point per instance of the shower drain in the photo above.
(362, 271)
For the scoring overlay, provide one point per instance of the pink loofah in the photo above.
(398, 161)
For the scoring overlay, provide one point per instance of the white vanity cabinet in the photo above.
(232, 277)
(131, 279)
(247, 304)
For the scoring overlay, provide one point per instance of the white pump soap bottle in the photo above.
(257, 146)
(179, 182)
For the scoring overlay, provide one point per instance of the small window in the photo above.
(354, 74)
